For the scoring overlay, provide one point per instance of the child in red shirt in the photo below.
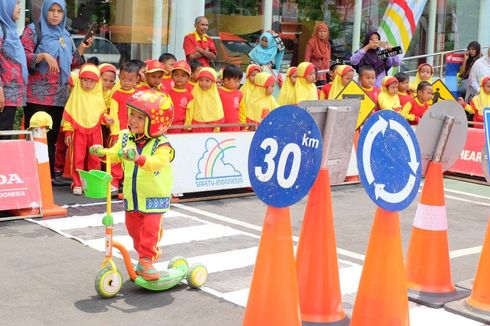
(118, 112)
(403, 88)
(196, 67)
(82, 118)
(167, 60)
(417, 106)
(153, 76)
(180, 95)
(231, 96)
(367, 78)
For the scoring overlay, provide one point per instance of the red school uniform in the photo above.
(417, 109)
(231, 106)
(192, 39)
(180, 99)
(373, 93)
(404, 98)
(325, 90)
(167, 84)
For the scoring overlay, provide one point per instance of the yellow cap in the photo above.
(40, 119)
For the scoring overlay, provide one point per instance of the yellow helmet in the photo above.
(41, 119)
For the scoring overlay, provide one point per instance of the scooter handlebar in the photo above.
(105, 151)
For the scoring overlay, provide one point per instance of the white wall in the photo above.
(183, 13)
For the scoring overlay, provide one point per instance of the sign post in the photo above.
(284, 159)
(389, 163)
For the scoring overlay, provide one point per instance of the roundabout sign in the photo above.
(389, 161)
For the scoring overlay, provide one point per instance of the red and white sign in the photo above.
(19, 181)
(469, 161)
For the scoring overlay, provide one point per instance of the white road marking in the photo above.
(465, 252)
(254, 227)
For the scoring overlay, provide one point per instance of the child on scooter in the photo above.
(147, 174)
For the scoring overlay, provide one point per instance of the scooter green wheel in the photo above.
(178, 262)
(108, 283)
(197, 275)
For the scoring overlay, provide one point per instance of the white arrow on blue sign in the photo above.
(285, 156)
(388, 159)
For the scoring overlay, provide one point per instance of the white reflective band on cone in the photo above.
(431, 218)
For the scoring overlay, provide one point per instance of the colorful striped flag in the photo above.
(400, 21)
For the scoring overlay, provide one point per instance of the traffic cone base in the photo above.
(436, 300)
(274, 295)
(382, 295)
(316, 259)
(477, 306)
(462, 308)
(343, 322)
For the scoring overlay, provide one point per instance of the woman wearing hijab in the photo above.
(318, 49)
(473, 53)
(368, 55)
(50, 58)
(13, 67)
(480, 69)
(268, 54)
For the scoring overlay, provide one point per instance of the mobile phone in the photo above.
(91, 32)
(382, 44)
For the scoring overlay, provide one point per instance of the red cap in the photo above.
(154, 66)
(89, 71)
(182, 65)
(105, 67)
(207, 72)
(389, 80)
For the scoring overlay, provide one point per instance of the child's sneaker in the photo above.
(146, 270)
(77, 191)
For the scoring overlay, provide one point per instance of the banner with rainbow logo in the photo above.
(400, 21)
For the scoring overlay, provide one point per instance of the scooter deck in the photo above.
(168, 279)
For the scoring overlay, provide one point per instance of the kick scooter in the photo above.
(109, 279)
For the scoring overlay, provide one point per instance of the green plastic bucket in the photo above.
(95, 183)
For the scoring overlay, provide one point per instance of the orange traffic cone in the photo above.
(273, 299)
(382, 295)
(49, 208)
(354, 178)
(427, 262)
(316, 259)
(477, 306)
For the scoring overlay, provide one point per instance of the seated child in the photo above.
(261, 100)
(479, 102)
(82, 118)
(403, 88)
(231, 96)
(367, 78)
(343, 75)
(149, 171)
(205, 106)
(167, 60)
(180, 95)
(305, 88)
(424, 73)
(416, 107)
(388, 98)
(287, 94)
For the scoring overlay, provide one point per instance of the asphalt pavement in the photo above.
(49, 276)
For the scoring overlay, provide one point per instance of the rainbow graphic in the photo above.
(400, 21)
(212, 164)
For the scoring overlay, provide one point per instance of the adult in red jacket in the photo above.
(198, 45)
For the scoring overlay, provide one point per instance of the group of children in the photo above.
(207, 101)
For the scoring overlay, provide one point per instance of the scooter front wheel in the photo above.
(197, 275)
(108, 282)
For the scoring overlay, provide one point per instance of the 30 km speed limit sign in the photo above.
(285, 156)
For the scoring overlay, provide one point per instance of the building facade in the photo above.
(144, 29)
